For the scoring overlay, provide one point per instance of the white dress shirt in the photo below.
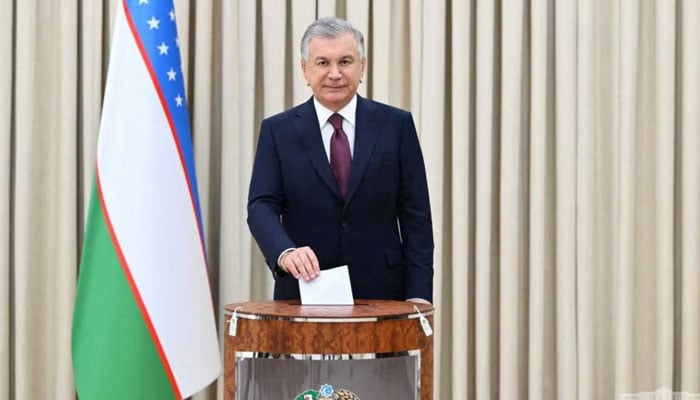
(348, 114)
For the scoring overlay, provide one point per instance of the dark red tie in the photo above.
(340, 154)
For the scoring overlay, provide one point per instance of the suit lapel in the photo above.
(306, 125)
(365, 138)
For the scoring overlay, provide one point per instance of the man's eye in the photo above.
(322, 63)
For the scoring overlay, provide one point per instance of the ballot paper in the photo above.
(331, 287)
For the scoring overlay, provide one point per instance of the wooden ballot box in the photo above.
(375, 349)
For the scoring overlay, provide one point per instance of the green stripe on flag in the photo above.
(114, 356)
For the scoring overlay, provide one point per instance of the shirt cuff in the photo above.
(282, 254)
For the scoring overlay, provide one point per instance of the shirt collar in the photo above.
(347, 112)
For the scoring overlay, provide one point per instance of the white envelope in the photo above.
(331, 287)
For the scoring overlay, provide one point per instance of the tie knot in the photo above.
(337, 121)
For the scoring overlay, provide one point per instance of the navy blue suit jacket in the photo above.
(383, 231)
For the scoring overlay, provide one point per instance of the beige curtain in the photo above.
(562, 141)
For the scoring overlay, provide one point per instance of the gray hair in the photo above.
(330, 28)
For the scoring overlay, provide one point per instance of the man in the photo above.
(340, 180)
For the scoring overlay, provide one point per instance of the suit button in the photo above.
(344, 224)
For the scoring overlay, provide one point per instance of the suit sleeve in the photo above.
(414, 216)
(266, 200)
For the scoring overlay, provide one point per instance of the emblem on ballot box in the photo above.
(326, 392)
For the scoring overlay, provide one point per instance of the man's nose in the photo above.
(334, 72)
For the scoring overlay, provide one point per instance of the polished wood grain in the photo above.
(362, 309)
(281, 328)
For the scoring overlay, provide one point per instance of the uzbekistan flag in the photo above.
(143, 322)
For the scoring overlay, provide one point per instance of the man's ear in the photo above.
(303, 71)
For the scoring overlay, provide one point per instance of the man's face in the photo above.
(334, 70)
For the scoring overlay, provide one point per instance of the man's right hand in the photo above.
(301, 263)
